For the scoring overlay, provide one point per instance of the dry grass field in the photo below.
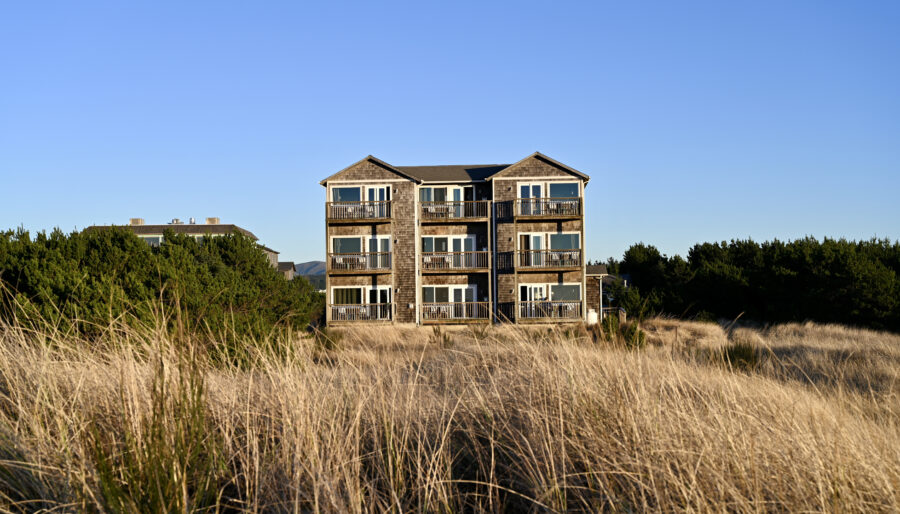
(796, 417)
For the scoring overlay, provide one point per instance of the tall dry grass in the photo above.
(793, 417)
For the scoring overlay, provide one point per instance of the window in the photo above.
(564, 190)
(348, 296)
(434, 244)
(564, 241)
(565, 293)
(431, 294)
(347, 244)
(345, 194)
(152, 240)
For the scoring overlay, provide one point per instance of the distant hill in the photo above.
(310, 268)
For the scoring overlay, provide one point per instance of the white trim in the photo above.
(365, 293)
(556, 178)
(545, 236)
(371, 181)
(548, 288)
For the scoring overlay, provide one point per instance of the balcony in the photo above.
(361, 312)
(349, 212)
(454, 211)
(567, 310)
(549, 259)
(545, 208)
(455, 261)
(456, 312)
(365, 262)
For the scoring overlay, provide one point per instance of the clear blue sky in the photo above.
(697, 121)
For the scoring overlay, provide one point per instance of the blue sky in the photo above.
(697, 121)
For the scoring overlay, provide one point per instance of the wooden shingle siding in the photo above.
(404, 247)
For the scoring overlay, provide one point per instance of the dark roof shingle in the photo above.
(453, 172)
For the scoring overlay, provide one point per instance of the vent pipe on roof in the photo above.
(192, 221)
(135, 221)
(175, 221)
(212, 221)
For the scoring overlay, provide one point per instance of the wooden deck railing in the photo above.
(361, 312)
(549, 310)
(365, 261)
(549, 258)
(437, 261)
(548, 207)
(357, 210)
(453, 210)
(456, 310)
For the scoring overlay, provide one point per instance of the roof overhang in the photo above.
(539, 155)
(374, 160)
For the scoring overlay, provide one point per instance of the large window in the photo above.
(432, 294)
(434, 244)
(347, 244)
(433, 194)
(152, 240)
(564, 241)
(348, 295)
(564, 190)
(345, 194)
(565, 293)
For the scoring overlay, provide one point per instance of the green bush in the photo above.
(218, 287)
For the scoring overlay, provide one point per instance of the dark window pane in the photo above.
(348, 296)
(440, 244)
(347, 245)
(565, 190)
(440, 194)
(428, 294)
(427, 244)
(560, 293)
(345, 194)
(441, 295)
(425, 194)
(563, 241)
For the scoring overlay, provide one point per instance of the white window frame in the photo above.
(545, 239)
(366, 290)
(548, 290)
(545, 187)
(450, 290)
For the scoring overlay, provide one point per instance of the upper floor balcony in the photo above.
(542, 260)
(559, 208)
(360, 262)
(448, 211)
(455, 261)
(352, 212)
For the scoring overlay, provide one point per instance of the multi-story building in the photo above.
(455, 244)
(213, 227)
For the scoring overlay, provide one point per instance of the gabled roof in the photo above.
(556, 163)
(456, 172)
(375, 160)
(453, 172)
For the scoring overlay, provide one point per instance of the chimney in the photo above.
(212, 221)
(193, 222)
(135, 221)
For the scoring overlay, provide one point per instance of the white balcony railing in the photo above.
(454, 210)
(549, 258)
(549, 310)
(361, 312)
(363, 261)
(357, 210)
(548, 207)
(438, 261)
(456, 311)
